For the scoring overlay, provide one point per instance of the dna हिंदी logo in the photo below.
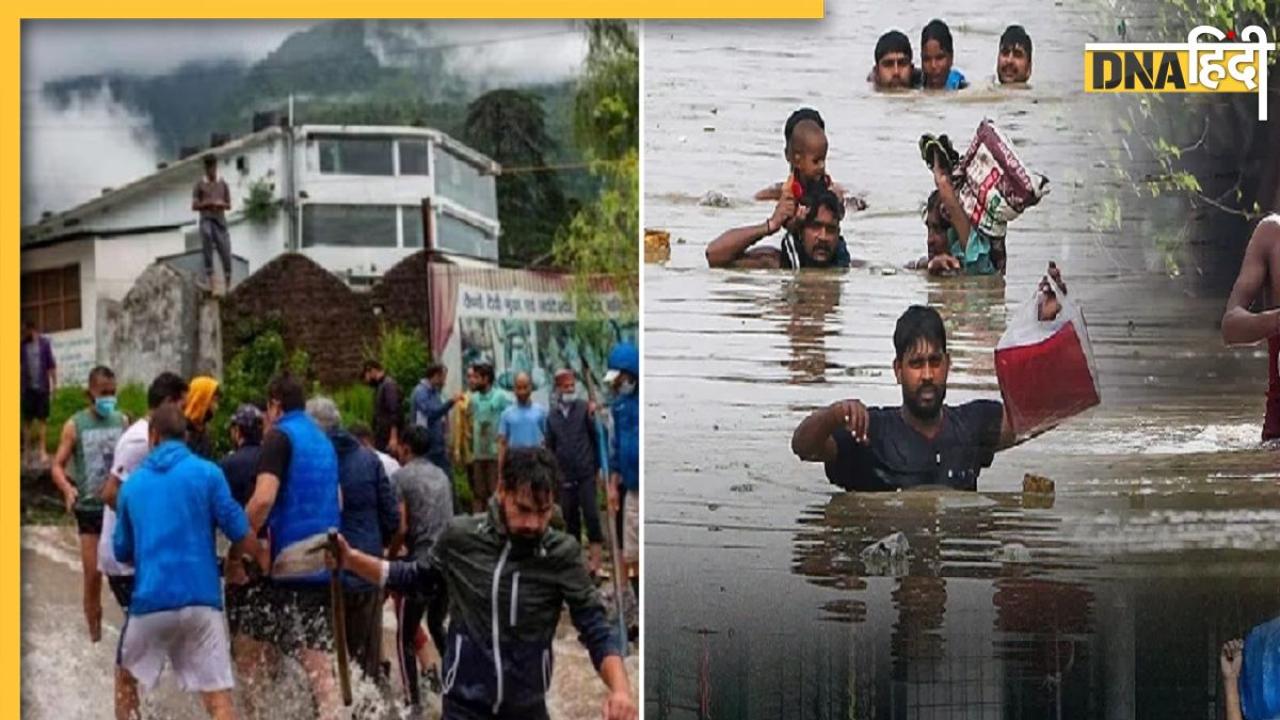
(1236, 66)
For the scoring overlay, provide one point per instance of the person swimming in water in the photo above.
(923, 442)
(894, 68)
(1259, 280)
(1013, 63)
(812, 239)
(955, 245)
(937, 54)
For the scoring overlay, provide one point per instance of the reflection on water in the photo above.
(1107, 600)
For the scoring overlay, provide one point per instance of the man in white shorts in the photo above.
(166, 517)
(131, 449)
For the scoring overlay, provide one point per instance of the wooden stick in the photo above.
(611, 529)
(339, 617)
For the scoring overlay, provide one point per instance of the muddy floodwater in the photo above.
(1109, 599)
(65, 677)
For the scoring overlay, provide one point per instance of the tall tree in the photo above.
(602, 239)
(510, 127)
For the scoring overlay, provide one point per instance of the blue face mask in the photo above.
(105, 405)
(626, 387)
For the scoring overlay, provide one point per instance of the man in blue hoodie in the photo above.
(370, 518)
(167, 514)
(624, 452)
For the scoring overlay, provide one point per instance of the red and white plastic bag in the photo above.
(1045, 368)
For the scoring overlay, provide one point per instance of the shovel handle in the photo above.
(339, 617)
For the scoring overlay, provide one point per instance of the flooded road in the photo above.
(65, 677)
(1110, 600)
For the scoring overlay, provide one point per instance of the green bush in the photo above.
(71, 399)
(247, 376)
(355, 402)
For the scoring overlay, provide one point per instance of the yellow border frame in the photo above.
(10, 187)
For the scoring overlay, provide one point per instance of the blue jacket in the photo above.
(429, 410)
(166, 515)
(624, 443)
(370, 515)
(307, 504)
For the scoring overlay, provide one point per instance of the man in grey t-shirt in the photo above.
(212, 199)
(426, 507)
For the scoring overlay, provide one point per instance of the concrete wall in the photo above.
(163, 323)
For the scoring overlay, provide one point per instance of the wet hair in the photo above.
(535, 468)
(818, 195)
(169, 423)
(937, 30)
(325, 412)
(101, 372)
(805, 133)
(417, 439)
(916, 324)
(372, 365)
(288, 391)
(935, 203)
(893, 41)
(799, 116)
(434, 369)
(166, 386)
(484, 370)
(360, 431)
(210, 160)
(1015, 35)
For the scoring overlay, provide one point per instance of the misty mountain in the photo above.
(392, 72)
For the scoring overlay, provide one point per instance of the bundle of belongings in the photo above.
(993, 185)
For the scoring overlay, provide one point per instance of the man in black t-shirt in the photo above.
(923, 442)
(388, 414)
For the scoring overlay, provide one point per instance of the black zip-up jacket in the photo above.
(505, 598)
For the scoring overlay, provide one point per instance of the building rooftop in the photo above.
(70, 223)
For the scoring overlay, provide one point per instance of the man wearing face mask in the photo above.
(624, 452)
(812, 239)
(571, 437)
(923, 442)
(166, 391)
(88, 443)
(508, 576)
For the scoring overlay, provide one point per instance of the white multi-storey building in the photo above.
(355, 199)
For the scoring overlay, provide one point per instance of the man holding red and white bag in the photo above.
(927, 443)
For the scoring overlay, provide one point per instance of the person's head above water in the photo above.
(818, 231)
(1013, 64)
(921, 362)
(937, 223)
(806, 148)
(937, 53)
(893, 68)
